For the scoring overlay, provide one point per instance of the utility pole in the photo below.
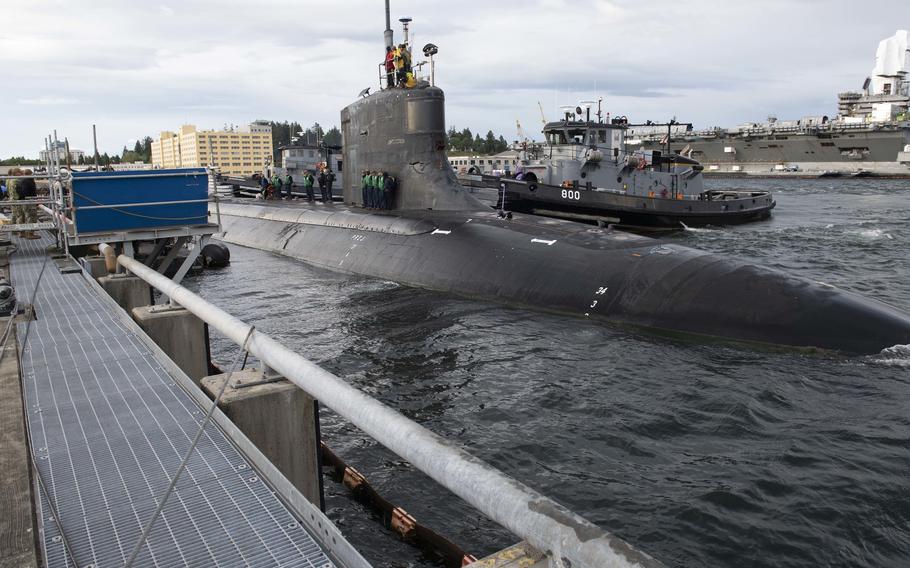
(95, 139)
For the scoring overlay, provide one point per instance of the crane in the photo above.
(543, 117)
(522, 138)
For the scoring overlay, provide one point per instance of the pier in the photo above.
(132, 452)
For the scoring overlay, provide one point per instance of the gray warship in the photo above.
(869, 135)
(438, 236)
(586, 172)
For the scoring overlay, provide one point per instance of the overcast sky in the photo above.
(136, 68)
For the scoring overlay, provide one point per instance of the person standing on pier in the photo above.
(365, 188)
(288, 184)
(19, 190)
(308, 185)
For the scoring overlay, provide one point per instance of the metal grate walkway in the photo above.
(109, 427)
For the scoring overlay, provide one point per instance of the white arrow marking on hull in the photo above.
(548, 243)
(440, 232)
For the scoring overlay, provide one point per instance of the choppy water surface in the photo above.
(702, 455)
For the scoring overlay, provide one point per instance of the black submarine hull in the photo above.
(440, 237)
(589, 272)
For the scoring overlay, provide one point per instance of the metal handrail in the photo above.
(545, 524)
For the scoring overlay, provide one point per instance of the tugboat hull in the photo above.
(593, 205)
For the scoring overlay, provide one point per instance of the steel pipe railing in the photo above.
(546, 525)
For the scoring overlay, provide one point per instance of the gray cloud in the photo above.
(138, 68)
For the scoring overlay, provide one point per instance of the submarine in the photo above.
(438, 236)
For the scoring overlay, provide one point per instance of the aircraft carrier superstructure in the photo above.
(870, 135)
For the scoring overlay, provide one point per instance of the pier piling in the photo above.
(94, 265)
(128, 291)
(280, 419)
(178, 333)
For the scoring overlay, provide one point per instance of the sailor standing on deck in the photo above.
(329, 182)
(321, 180)
(389, 67)
(377, 183)
(388, 191)
(288, 183)
(308, 185)
(364, 188)
(398, 62)
(374, 190)
(276, 185)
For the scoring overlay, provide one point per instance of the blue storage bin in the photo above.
(133, 192)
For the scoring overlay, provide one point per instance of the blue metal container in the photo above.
(144, 199)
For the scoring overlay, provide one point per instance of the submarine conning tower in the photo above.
(401, 131)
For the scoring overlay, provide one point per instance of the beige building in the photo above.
(243, 151)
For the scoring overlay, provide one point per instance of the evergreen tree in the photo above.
(332, 137)
(147, 149)
(489, 143)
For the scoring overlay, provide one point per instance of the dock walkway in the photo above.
(109, 426)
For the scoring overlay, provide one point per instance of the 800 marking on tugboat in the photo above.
(571, 194)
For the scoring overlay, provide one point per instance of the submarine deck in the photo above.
(417, 222)
(109, 426)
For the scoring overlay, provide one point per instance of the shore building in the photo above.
(503, 162)
(60, 148)
(242, 151)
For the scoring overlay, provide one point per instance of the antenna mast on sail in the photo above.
(388, 34)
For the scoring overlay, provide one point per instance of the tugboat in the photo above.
(586, 172)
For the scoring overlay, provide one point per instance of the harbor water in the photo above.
(702, 454)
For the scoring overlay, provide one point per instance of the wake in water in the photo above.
(874, 234)
(894, 356)
(689, 229)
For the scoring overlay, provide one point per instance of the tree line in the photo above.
(466, 141)
(284, 133)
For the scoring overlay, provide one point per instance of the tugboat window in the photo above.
(577, 136)
(602, 136)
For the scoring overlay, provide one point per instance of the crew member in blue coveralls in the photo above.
(388, 191)
(374, 190)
